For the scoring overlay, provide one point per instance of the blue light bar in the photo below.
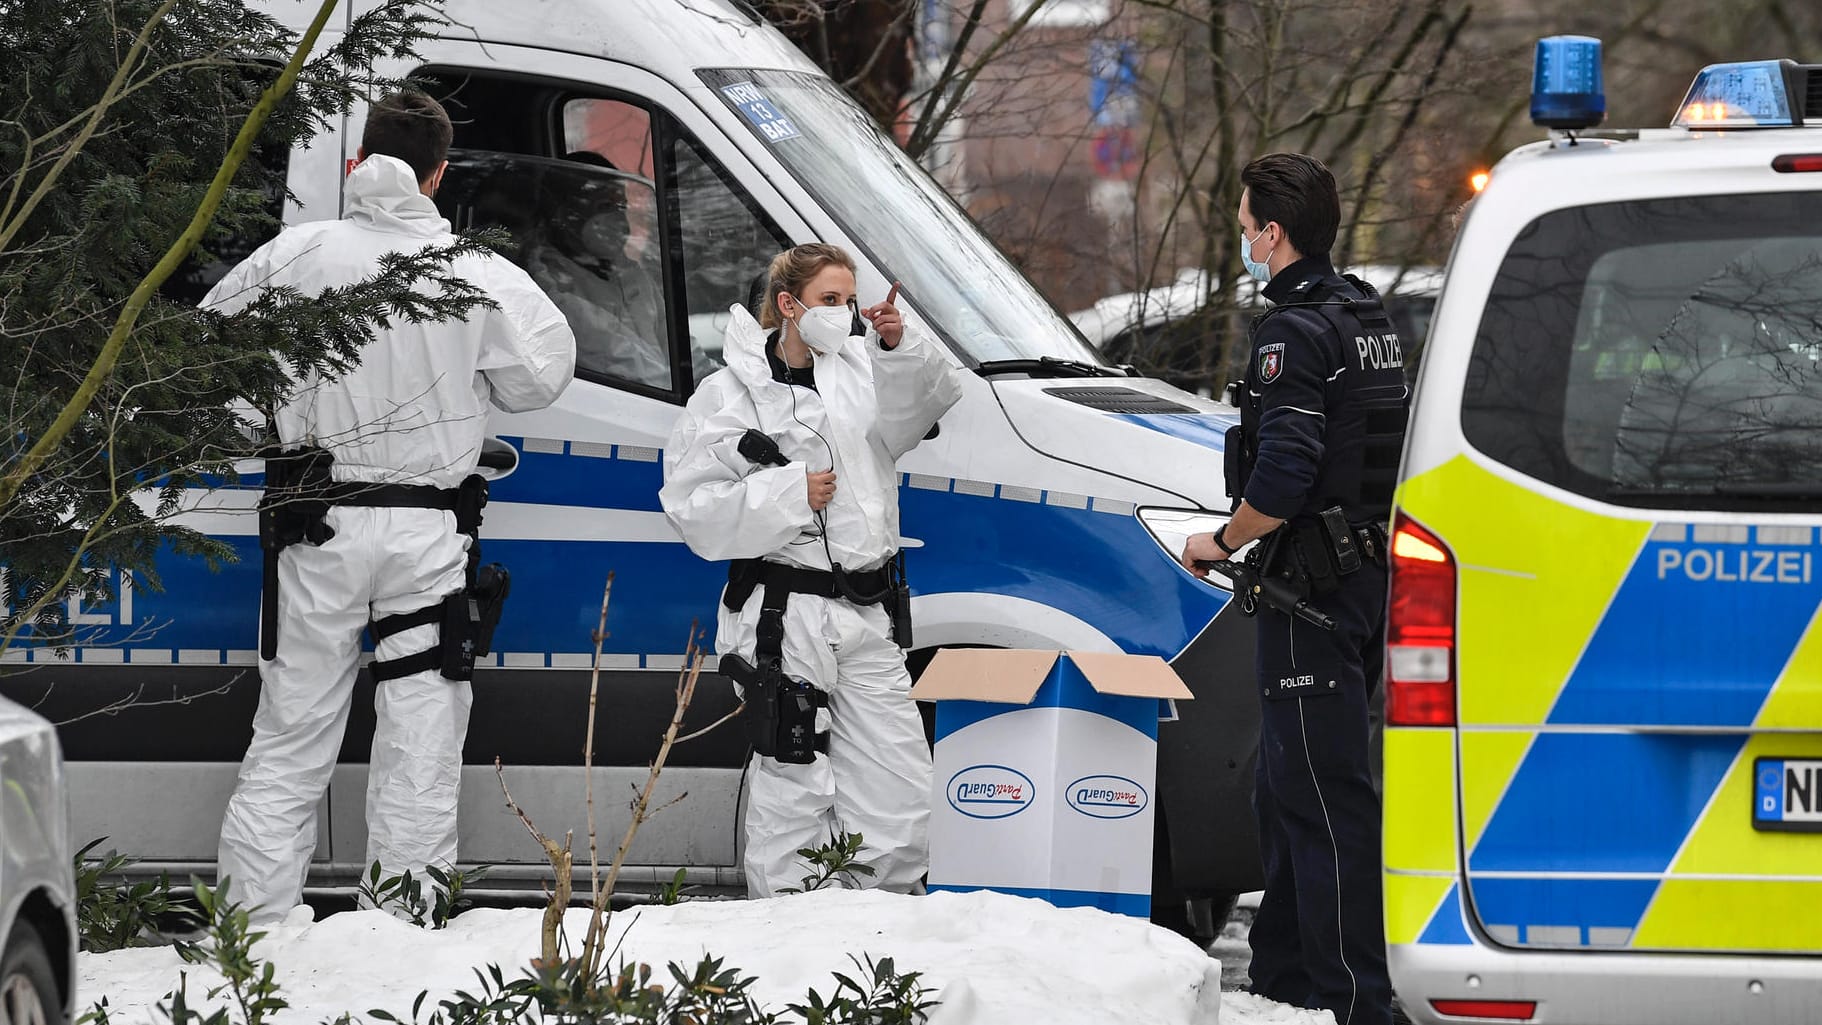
(1566, 89)
(1750, 94)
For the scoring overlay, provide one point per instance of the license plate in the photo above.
(1787, 794)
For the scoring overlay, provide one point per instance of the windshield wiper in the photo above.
(1046, 366)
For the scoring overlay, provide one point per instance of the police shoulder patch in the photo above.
(1271, 362)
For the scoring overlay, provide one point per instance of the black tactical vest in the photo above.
(1366, 406)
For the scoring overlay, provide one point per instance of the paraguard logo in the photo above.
(1271, 362)
(990, 791)
(1106, 797)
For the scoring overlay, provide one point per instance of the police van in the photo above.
(1046, 513)
(1603, 753)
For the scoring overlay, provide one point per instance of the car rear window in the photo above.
(1659, 353)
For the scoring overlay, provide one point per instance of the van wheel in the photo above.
(28, 988)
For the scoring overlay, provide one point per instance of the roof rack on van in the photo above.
(1752, 94)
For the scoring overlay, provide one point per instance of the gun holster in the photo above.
(487, 598)
(465, 620)
(780, 713)
(1236, 462)
(898, 601)
(293, 509)
(1326, 550)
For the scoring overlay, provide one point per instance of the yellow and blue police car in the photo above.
(1603, 754)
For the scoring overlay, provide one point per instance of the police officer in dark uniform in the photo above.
(1311, 468)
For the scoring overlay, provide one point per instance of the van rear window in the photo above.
(1659, 353)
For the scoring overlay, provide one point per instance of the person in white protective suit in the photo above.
(409, 421)
(612, 299)
(843, 405)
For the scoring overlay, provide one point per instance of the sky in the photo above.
(990, 958)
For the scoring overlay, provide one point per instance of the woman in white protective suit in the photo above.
(813, 527)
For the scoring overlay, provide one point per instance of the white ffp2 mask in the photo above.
(825, 329)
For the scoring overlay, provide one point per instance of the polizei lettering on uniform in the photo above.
(1737, 565)
(1380, 352)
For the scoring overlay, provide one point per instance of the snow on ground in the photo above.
(993, 959)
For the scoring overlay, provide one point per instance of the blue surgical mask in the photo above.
(1261, 270)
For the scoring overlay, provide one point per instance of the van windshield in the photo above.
(1661, 353)
(964, 286)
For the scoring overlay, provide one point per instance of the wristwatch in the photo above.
(1221, 540)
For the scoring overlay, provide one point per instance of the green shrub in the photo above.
(111, 913)
(672, 892)
(888, 998)
(404, 894)
(708, 994)
(837, 859)
(227, 947)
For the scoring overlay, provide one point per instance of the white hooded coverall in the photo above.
(413, 412)
(870, 406)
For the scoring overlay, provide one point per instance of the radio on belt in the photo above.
(1046, 766)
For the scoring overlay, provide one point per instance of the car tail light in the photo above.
(1420, 629)
(1506, 1010)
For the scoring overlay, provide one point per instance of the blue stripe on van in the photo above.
(1603, 802)
(1697, 635)
(1102, 568)
(1118, 579)
(1531, 905)
(549, 478)
(1208, 430)
(1447, 925)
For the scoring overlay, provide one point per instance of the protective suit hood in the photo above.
(414, 411)
(744, 349)
(383, 194)
(870, 406)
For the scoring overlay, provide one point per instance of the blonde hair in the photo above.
(792, 270)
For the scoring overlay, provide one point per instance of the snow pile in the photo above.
(990, 957)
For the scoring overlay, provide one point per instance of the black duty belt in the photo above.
(744, 575)
(392, 496)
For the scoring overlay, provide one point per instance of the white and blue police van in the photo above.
(1046, 513)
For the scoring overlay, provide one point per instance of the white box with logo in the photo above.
(1046, 765)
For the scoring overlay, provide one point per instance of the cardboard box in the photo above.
(1046, 765)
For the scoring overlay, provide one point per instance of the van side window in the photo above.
(594, 245)
(1659, 353)
(621, 218)
(584, 231)
(725, 241)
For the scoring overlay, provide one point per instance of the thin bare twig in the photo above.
(711, 726)
(588, 745)
(560, 862)
(686, 691)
